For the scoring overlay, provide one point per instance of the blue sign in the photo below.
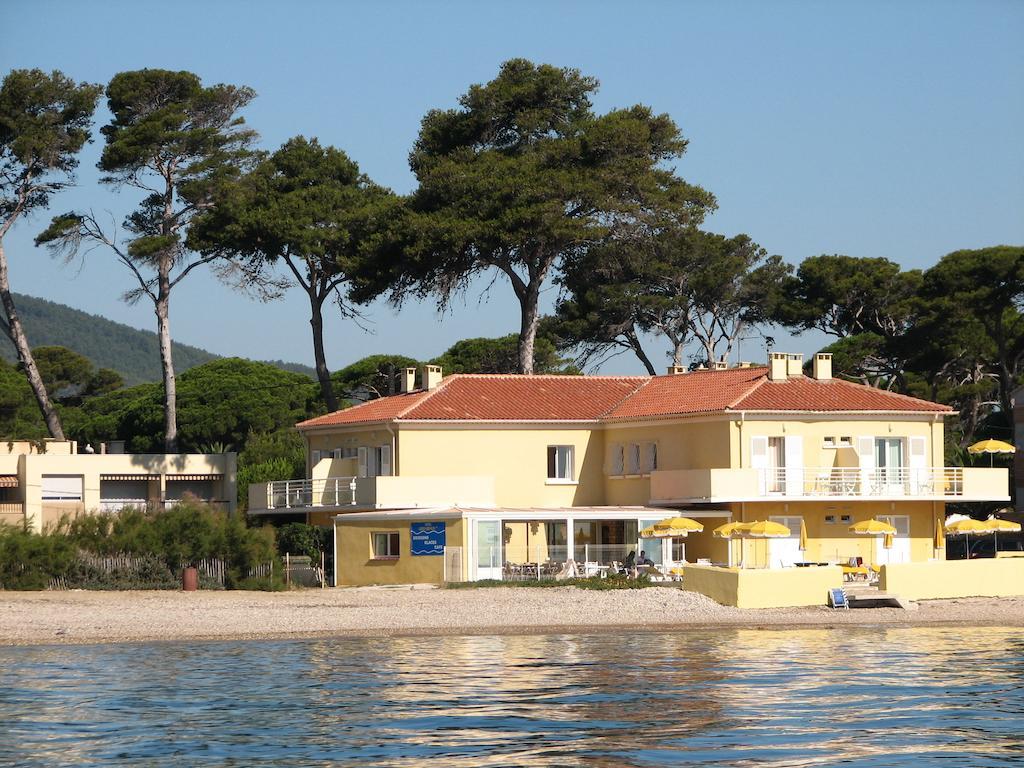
(427, 538)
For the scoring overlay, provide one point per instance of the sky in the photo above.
(887, 129)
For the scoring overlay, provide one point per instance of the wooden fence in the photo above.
(213, 569)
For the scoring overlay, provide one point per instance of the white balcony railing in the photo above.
(324, 492)
(854, 481)
(750, 484)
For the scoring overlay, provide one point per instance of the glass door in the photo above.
(898, 550)
(889, 466)
(488, 558)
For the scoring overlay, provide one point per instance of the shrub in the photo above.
(165, 540)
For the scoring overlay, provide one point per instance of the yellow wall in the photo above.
(815, 430)
(681, 445)
(354, 554)
(778, 588)
(515, 457)
(997, 577)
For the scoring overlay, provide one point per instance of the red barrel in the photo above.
(190, 579)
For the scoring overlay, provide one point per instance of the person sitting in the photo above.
(644, 559)
(629, 563)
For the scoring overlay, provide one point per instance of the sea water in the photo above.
(867, 696)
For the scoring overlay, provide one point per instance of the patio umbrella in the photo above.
(997, 526)
(763, 529)
(872, 528)
(991, 447)
(965, 528)
(940, 539)
(671, 528)
(803, 535)
(729, 531)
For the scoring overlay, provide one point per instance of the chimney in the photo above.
(431, 376)
(675, 370)
(794, 365)
(822, 366)
(408, 379)
(744, 364)
(777, 366)
(720, 365)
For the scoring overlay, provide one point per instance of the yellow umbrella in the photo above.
(991, 447)
(727, 531)
(763, 529)
(965, 528)
(997, 526)
(671, 528)
(872, 528)
(940, 539)
(803, 535)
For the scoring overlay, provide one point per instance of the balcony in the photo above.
(849, 483)
(360, 493)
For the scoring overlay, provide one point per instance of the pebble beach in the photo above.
(42, 618)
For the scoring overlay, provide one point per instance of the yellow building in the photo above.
(42, 481)
(498, 476)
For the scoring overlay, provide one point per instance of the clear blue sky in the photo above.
(872, 129)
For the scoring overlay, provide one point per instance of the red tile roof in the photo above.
(525, 398)
(804, 394)
(485, 397)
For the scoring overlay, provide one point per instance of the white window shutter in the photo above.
(385, 460)
(866, 452)
(651, 457)
(918, 453)
(362, 461)
(759, 460)
(793, 459)
(616, 465)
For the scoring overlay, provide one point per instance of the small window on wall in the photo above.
(385, 546)
(616, 459)
(828, 442)
(845, 442)
(633, 459)
(650, 457)
(560, 462)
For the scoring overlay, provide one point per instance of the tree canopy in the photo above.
(44, 121)
(310, 208)
(524, 177)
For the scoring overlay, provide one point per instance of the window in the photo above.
(633, 459)
(845, 442)
(374, 460)
(385, 546)
(828, 442)
(62, 487)
(650, 457)
(616, 460)
(560, 462)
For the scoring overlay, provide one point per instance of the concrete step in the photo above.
(875, 598)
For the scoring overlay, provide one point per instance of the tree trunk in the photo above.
(638, 350)
(163, 325)
(323, 375)
(529, 302)
(16, 333)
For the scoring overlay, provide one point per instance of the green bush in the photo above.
(302, 539)
(165, 540)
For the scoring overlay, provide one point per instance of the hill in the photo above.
(131, 352)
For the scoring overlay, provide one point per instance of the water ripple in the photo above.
(856, 696)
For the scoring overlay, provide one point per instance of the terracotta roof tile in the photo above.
(696, 392)
(381, 409)
(525, 398)
(804, 394)
(483, 397)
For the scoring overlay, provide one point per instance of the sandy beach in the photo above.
(33, 618)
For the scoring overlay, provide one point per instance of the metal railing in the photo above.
(854, 481)
(324, 492)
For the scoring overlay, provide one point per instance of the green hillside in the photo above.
(131, 352)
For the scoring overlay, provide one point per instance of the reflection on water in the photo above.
(866, 697)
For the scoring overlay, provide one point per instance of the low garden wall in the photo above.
(763, 587)
(996, 577)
